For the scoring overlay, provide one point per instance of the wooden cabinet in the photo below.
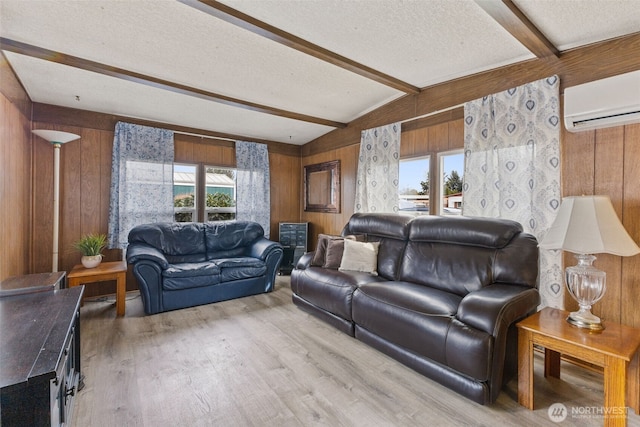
(40, 358)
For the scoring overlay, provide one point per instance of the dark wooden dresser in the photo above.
(39, 357)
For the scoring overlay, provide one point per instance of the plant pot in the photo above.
(91, 261)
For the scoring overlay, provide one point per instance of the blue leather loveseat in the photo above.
(180, 265)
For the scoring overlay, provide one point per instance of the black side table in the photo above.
(29, 283)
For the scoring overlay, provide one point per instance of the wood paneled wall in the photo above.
(605, 162)
(15, 190)
(332, 223)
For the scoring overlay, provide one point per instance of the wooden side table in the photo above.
(105, 271)
(615, 349)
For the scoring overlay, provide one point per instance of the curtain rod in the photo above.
(205, 136)
(433, 113)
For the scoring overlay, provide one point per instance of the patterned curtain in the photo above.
(512, 166)
(378, 170)
(141, 180)
(253, 201)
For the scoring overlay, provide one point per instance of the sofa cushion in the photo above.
(414, 297)
(391, 230)
(452, 268)
(360, 256)
(178, 241)
(405, 315)
(330, 290)
(229, 239)
(412, 316)
(190, 275)
(240, 268)
(383, 225)
(460, 230)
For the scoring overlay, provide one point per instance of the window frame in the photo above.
(218, 209)
(441, 155)
(436, 178)
(194, 209)
(200, 209)
(428, 158)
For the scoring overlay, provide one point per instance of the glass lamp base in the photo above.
(585, 319)
(587, 285)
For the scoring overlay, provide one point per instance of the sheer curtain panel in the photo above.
(141, 180)
(253, 200)
(378, 170)
(512, 166)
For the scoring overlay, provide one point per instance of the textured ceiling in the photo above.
(421, 43)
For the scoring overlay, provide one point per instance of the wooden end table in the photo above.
(105, 271)
(615, 349)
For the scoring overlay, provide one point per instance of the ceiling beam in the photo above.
(507, 14)
(96, 67)
(235, 17)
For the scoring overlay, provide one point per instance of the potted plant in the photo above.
(91, 246)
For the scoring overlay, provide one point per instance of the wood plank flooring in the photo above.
(261, 361)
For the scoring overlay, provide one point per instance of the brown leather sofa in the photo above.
(445, 300)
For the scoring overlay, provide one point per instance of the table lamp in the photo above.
(587, 225)
(57, 138)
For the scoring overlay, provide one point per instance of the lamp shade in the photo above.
(55, 136)
(589, 225)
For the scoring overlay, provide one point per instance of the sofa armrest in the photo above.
(262, 247)
(497, 306)
(140, 251)
(305, 261)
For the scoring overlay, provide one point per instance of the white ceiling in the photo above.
(421, 42)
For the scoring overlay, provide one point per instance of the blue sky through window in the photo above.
(416, 170)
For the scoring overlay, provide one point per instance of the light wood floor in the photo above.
(261, 361)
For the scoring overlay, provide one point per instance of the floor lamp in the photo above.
(57, 138)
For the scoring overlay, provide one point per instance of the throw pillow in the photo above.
(321, 249)
(319, 256)
(360, 256)
(333, 255)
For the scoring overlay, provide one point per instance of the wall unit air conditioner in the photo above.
(613, 101)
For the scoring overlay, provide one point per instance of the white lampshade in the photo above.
(55, 136)
(589, 225)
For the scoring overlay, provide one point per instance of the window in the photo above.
(184, 193)
(452, 168)
(220, 202)
(207, 192)
(413, 187)
(415, 190)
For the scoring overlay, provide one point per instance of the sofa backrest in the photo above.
(228, 239)
(178, 241)
(390, 230)
(198, 242)
(464, 254)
